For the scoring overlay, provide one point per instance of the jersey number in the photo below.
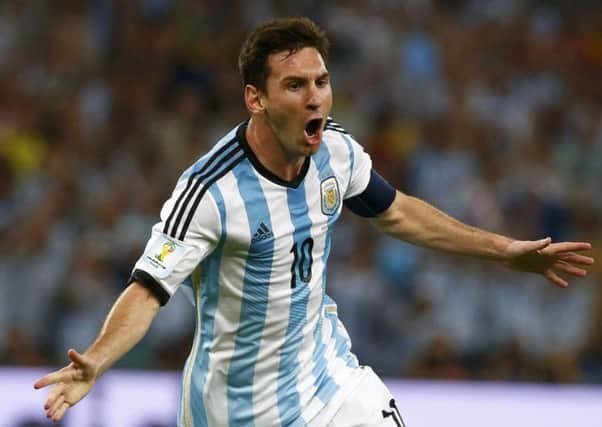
(394, 413)
(302, 261)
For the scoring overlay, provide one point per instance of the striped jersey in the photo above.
(269, 349)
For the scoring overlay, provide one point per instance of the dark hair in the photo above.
(283, 34)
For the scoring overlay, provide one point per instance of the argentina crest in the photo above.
(331, 197)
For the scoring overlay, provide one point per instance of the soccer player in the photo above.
(247, 231)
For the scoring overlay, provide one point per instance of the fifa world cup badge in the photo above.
(331, 197)
(166, 249)
(163, 255)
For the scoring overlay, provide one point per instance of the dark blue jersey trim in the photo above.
(242, 138)
(374, 200)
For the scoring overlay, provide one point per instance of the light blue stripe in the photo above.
(210, 269)
(187, 288)
(325, 385)
(328, 300)
(289, 405)
(254, 302)
(342, 344)
(189, 361)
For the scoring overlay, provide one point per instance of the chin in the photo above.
(314, 148)
(311, 149)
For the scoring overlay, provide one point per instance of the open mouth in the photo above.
(313, 127)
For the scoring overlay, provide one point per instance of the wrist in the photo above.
(501, 247)
(98, 362)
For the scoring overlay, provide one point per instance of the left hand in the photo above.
(71, 384)
(549, 259)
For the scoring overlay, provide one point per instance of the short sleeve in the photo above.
(360, 167)
(168, 259)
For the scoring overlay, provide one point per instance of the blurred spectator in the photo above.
(489, 110)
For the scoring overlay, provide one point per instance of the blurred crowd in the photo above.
(489, 109)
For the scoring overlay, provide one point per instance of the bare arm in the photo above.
(415, 221)
(125, 325)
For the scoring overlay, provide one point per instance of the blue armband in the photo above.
(375, 199)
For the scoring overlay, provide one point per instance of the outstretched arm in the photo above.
(126, 324)
(415, 221)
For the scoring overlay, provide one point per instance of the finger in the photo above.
(534, 245)
(522, 247)
(77, 358)
(555, 279)
(60, 412)
(577, 259)
(56, 406)
(568, 247)
(56, 391)
(53, 378)
(570, 269)
(43, 382)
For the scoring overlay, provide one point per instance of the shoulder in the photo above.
(220, 155)
(200, 179)
(338, 141)
(222, 158)
(335, 137)
(333, 126)
(197, 201)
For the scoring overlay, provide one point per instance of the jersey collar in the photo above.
(241, 136)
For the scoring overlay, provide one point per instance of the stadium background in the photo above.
(490, 110)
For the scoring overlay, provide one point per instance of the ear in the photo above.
(254, 99)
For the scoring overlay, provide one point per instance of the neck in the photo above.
(270, 151)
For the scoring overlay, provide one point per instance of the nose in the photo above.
(314, 97)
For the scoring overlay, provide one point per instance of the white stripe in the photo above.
(306, 385)
(227, 313)
(265, 398)
(339, 161)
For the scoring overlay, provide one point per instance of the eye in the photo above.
(294, 85)
(322, 83)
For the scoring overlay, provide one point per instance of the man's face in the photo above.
(297, 100)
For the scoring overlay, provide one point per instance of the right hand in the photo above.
(549, 259)
(71, 384)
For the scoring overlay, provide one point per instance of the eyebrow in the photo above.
(325, 74)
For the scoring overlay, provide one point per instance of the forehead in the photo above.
(306, 61)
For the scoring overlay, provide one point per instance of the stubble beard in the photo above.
(293, 149)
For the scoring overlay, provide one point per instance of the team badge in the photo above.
(331, 198)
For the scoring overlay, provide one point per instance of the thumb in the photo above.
(536, 245)
(78, 358)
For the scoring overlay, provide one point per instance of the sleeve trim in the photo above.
(151, 284)
(375, 199)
